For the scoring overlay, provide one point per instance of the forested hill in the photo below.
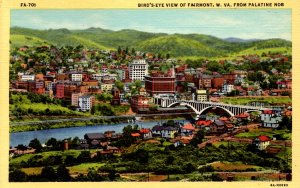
(177, 45)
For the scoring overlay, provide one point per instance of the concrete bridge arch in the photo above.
(184, 104)
(226, 110)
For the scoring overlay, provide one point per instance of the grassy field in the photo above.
(235, 144)
(21, 40)
(45, 155)
(268, 132)
(246, 100)
(32, 170)
(81, 168)
(84, 167)
(237, 56)
(234, 166)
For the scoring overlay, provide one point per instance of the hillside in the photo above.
(177, 45)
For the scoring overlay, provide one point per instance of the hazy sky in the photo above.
(246, 24)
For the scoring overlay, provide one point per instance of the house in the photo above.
(106, 87)
(218, 127)
(94, 138)
(168, 132)
(261, 142)
(187, 129)
(242, 117)
(145, 133)
(156, 130)
(204, 124)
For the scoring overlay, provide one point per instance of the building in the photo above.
(201, 95)
(25, 78)
(217, 82)
(85, 103)
(76, 77)
(159, 84)
(60, 91)
(116, 96)
(145, 133)
(261, 142)
(75, 98)
(270, 119)
(138, 69)
(92, 137)
(106, 87)
(218, 127)
(227, 88)
(187, 129)
(68, 90)
(36, 87)
(139, 102)
(203, 81)
(168, 132)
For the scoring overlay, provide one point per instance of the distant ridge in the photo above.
(177, 45)
(232, 39)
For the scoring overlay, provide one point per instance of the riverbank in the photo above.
(81, 122)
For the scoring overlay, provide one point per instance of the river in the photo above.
(62, 133)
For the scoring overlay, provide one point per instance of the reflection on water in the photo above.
(44, 135)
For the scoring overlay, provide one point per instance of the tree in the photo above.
(234, 93)
(48, 173)
(119, 50)
(84, 156)
(17, 176)
(21, 147)
(52, 142)
(216, 177)
(70, 160)
(36, 144)
(94, 176)
(133, 51)
(63, 173)
(119, 85)
(286, 123)
(168, 56)
(112, 175)
(198, 138)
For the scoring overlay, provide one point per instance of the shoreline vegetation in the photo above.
(85, 122)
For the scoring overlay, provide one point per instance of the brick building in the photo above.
(139, 102)
(158, 84)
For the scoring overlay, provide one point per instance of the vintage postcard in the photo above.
(151, 93)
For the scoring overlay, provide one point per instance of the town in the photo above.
(239, 114)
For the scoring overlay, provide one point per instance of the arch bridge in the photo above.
(199, 107)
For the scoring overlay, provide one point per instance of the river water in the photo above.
(62, 133)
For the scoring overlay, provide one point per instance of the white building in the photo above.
(227, 88)
(261, 142)
(270, 119)
(138, 69)
(26, 77)
(76, 77)
(85, 103)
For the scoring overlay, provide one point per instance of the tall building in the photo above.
(85, 103)
(138, 69)
(60, 91)
(158, 84)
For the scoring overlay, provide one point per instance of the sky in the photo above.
(244, 24)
